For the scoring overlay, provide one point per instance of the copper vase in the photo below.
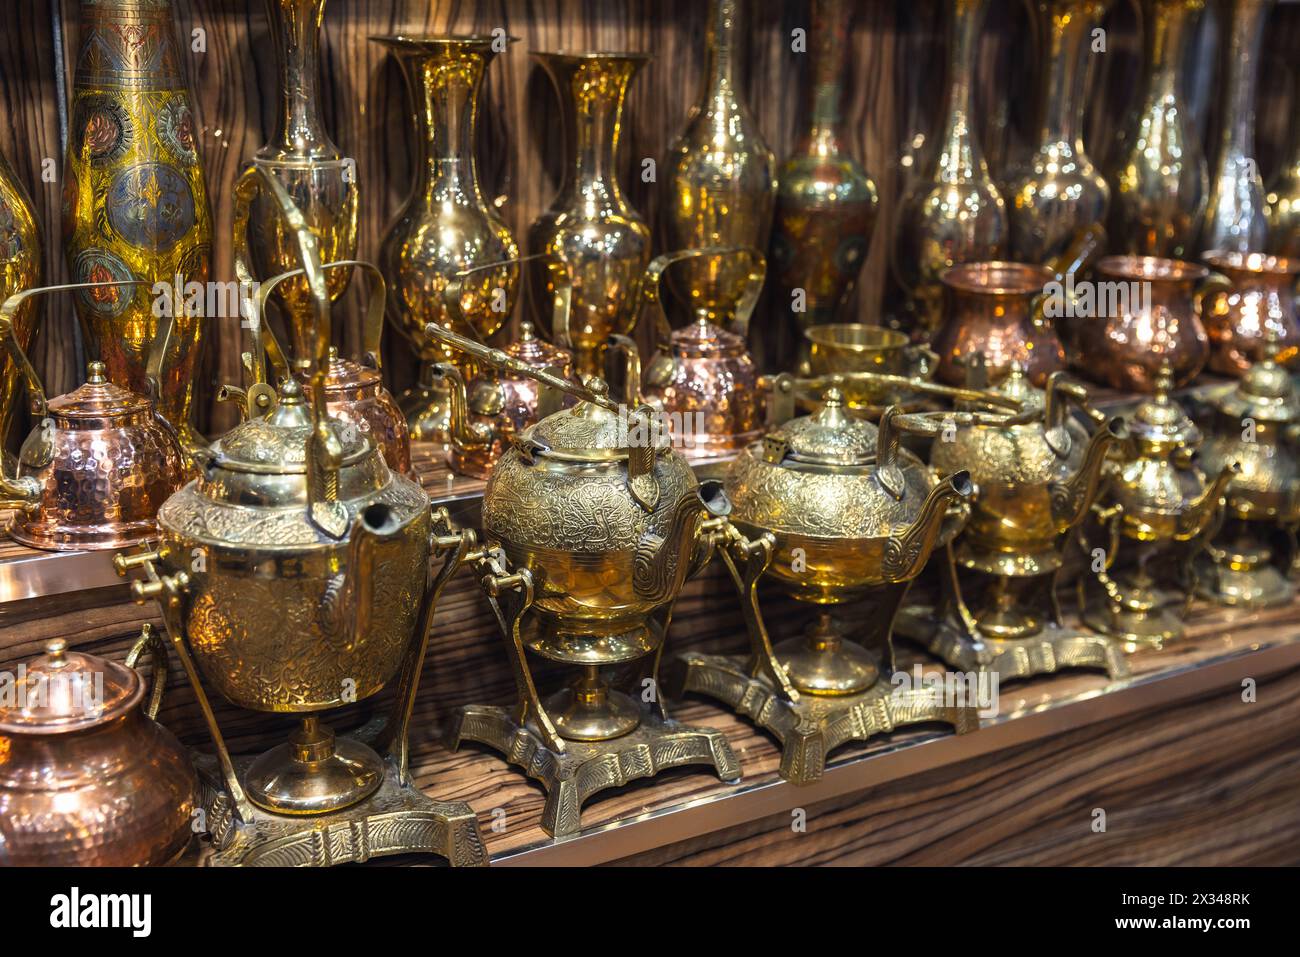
(20, 268)
(825, 201)
(446, 225)
(1235, 217)
(721, 177)
(1159, 184)
(1058, 193)
(992, 310)
(1260, 307)
(134, 201)
(590, 226)
(955, 214)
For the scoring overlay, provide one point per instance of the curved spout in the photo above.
(1201, 510)
(906, 554)
(463, 433)
(660, 564)
(1071, 499)
(374, 524)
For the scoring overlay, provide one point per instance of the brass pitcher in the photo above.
(134, 201)
(446, 225)
(89, 777)
(100, 461)
(20, 268)
(1260, 305)
(590, 227)
(294, 577)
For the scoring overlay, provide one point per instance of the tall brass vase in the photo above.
(20, 268)
(446, 226)
(955, 213)
(321, 181)
(721, 178)
(1058, 193)
(1159, 185)
(825, 201)
(1284, 203)
(134, 201)
(590, 225)
(1235, 216)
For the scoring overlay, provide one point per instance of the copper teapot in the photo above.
(1261, 300)
(87, 775)
(99, 463)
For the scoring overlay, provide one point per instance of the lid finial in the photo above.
(95, 373)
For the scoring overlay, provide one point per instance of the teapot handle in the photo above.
(1215, 284)
(152, 642)
(561, 303)
(651, 287)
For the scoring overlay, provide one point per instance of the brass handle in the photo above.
(631, 367)
(561, 304)
(652, 285)
(152, 642)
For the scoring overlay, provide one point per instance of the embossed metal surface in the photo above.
(1261, 304)
(20, 268)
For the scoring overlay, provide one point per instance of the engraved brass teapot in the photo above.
(293, 576)
(1160, 505)
(100, 461)
(1255, 423)
(88, 777)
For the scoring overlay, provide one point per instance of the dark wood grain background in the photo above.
(892, 102)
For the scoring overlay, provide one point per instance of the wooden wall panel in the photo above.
(893, 98)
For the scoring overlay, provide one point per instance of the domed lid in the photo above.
(347, 375)
(703, 340)
(277, 444)
(528, 347)
(64, 691)
(830, 436)
(1159, 422)
(97, 398)
(1017, 386)
(592, 431)
(1264, 393)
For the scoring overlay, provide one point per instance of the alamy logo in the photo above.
(678, 429)
(951, 689)
(1092, 300)
(210, 300)
(74, 910)
(78, 691)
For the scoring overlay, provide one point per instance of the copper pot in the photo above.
(98, 465)
(1262, 299)
(992, 310)
(1144, 311)
(87, 777)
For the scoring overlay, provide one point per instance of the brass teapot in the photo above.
(594, 521)
(293, 576)
(88, 776)
(497, 405)
(701, 378)
(100, 461)
(1256, 424)
(1160, 505)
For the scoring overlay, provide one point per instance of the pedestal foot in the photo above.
(587, 767)
(815, 725)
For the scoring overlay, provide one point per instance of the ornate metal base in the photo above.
(815, 725)
(1260, 586)
(1055, 647)
(396, 819)
(586, 767)
(1134, 629)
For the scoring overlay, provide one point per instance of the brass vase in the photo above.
(301, 155)
(20, 268)
(446, 226)
(1282, 203)
(1159, 184)
(590, 227)
(134, 201)
(955, 214)
(721, 177)
(1058, 193)
(1234, 218)
(825, 201)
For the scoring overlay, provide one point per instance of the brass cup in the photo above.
(847, 347)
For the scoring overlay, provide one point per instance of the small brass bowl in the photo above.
(848, 347)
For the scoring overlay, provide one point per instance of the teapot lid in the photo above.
(1264, 393)
(703, 339)
(530, 348)
(348, 375)
(97, 398)
(64, 691)
(589, 430)
(277, 444)
(830, 436)
(1159, 421)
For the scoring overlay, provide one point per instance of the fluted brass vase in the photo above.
(20, 268)
(1058, 193)
(721, 176)
(955, 213)
(1234, 217)
(301, 155)
(1159, 184)
(590, 226)
(825, 201)
(134, 201)
(446, 226)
